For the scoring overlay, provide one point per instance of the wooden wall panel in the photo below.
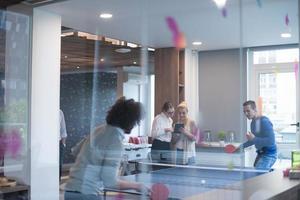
(166, 77)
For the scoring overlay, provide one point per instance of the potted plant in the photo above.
(221, 137)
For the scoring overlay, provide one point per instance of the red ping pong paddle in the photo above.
(229, 148)
(120, 196)
(159, 192)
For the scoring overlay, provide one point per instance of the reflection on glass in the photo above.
(207, 136)
(230, 137)
(14, 60)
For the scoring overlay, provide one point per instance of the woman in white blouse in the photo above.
(161, 132)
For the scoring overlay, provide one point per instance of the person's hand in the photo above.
(238, 148)
(63, 141)
(250, 136)
(143, 189)
(167, 130)
(183, 131)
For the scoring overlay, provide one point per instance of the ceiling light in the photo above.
(77, 67)
(220, 3)
(197, 43)
(286, 35)
(102, 59)
(105, 15)
(134, 62)
(123, 50)
(132, 45)
(151, 49)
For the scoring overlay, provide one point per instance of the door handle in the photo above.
(297, 124)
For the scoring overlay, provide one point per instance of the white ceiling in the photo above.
(143, 21)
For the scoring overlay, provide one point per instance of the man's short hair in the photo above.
(251, 103)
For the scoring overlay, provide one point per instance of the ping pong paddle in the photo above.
(120, 196)
(230, 148)
(159, 192)
(286, 172)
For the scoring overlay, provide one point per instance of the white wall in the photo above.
(222, 90)
(132, 90)
(192, 83)
(45, 87)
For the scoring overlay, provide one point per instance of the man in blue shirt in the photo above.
(262, 136)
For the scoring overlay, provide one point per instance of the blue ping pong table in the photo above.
(184, 182)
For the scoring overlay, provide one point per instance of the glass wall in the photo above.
(273, 73)
(191, 65)
(14, 104)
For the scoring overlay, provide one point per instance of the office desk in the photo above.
(132, 154)
(213, 153)
(17, 192)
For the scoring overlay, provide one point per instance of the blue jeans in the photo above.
(179, 158)
(264, 162)
(80, 196)
(191, 161)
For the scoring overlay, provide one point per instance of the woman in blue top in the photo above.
(98, 161)
(262, 136)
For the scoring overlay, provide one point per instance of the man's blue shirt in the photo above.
(264, 140)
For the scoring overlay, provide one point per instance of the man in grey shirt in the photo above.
(98, 161)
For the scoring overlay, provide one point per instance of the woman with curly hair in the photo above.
(98, 161)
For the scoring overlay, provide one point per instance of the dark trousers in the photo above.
(61, 157)
(160, 148)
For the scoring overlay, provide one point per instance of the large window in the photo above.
(274, 81)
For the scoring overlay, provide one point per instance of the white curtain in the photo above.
(192, 83)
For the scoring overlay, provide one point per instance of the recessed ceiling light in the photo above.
(123, 50)
(134, 62)
(77, 67)
(151, 49)
(197, 43)
(65, 56)
(130, 44)
(102, 59)
(220, 3)
(286, 35)
(105, 15)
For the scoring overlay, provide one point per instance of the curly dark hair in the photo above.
(125, 114)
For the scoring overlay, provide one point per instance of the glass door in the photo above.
(274, 87)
